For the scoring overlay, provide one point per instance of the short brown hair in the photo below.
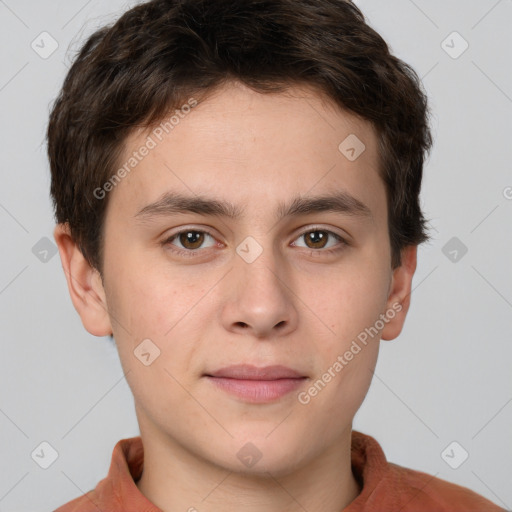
(159, 53)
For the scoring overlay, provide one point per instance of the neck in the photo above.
(176, 479)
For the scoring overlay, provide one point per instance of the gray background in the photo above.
(446, 378)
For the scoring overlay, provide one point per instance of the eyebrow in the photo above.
(172, 203)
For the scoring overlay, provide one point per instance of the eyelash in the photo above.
(193, 252)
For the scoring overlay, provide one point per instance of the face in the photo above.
(188, 293)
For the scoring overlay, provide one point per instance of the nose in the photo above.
(259, 297)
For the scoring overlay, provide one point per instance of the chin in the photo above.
(258, 454)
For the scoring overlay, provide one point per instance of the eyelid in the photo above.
(342, 239)
(169, 238)
(317, 227)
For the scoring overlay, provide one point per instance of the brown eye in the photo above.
(318, 239)
(191, 239)
(188, 241)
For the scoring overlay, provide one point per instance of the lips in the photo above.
(250, 372)
(250, 384)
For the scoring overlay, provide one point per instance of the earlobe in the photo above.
(84, 284)
(399, 298)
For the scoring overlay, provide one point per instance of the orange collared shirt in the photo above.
(385, 487)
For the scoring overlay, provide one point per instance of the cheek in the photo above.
(348, 353)
(350, 386)
(152, 341)
(149, 301)
(351, 304)
(345, 370)
(154, 316)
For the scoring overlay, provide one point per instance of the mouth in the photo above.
(257, 385)
(250, 372)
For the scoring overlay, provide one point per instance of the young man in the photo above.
(236, 186)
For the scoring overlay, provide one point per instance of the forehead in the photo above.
(254, 148)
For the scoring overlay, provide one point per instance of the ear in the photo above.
(84, 284)
(399, 298)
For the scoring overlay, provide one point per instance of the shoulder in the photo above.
(418, 491)
(386, 486)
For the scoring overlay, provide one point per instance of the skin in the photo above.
(294, 306)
